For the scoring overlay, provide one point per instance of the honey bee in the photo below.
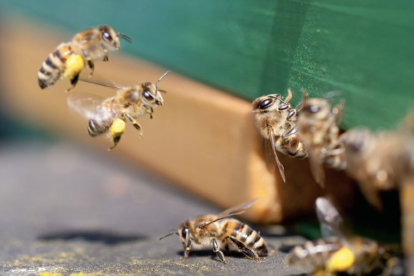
(384, 161)
(378, 161)
(318, 130)
(110, 114)
(276, 121)
(222, 232)
(355, 256)
(68, 59)
(342, 252)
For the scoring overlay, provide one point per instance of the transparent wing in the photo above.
(269, 148)
(316, 166)
(331, 94)
(102, 83)
(331, 222)
(239, 209)
(338, 112)
(233, 211)
(84, 103)
(279, 164)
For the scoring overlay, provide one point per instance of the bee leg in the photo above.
(290, 95)
(73, 82)
(290, 132)
(135, 124)
(149, 111)
(89, 61)
(115, 139)
(243, 249)
(217, 250)
(338, 110)
(91, 66)
(106, 56)
(117, 129)
(187, 248)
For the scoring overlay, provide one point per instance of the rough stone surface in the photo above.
(67, 210)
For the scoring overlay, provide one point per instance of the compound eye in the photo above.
(147, 95)
(107, 36)
(184, 232)
(313, 109)
(357, 146)
(265, 103)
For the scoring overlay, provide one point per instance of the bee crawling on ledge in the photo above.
(110, 114)
(354, 256)
(343, 252)
(222, 232)
(276, 121)
(68, 59)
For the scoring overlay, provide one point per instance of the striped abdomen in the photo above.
(54, 66)
(104, 116)
(245, 235)
(293, 146)
(313, 254)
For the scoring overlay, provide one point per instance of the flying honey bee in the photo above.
(68, 59)
(222, 232)
(318, 129)
(276, 121)
(110, 114)
(341, 253)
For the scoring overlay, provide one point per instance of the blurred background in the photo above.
(57, 183)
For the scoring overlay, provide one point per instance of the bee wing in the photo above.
(239, 209)
(316, 166)
(103, 83)
(338, 112)
(331, 222)
(233, 211)
(279, 164)
(85, 103)
(271, 144)
(331, 94)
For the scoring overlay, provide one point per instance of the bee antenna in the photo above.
(169, 234)
(280, 99)
(332, 94)
(156, 85)
(124, 36)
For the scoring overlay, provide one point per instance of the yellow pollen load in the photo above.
(117, 127)
(74, 64)
(341, 260)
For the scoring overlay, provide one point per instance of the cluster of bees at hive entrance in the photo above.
(378, 161)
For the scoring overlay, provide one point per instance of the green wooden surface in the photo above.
(251, 48)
